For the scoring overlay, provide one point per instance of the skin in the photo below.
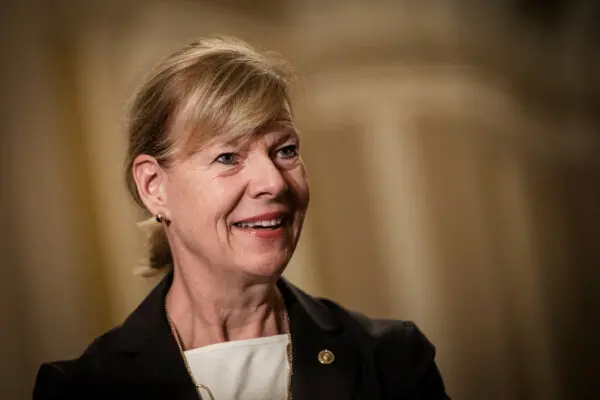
(224, 282)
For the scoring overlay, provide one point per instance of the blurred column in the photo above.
(52, 250)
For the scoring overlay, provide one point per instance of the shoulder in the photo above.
(378, 332)
(65, 379)
(403, 356)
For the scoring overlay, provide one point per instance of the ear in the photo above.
(150, 180)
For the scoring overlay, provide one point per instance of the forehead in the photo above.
(274, 131)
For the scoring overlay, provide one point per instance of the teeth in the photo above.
(263, 224)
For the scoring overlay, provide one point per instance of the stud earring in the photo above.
(160, 217)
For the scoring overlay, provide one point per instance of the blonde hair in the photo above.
(214, 87)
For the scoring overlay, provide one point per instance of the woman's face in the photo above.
(239, 207)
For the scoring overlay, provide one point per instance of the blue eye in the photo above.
(290, 151)
(227, 158)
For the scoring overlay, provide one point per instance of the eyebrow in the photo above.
(288, 134)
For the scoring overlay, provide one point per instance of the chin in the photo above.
(266, 267)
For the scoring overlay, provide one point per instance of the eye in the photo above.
(290, 151)
(227, 158)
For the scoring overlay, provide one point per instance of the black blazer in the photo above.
(374, 359)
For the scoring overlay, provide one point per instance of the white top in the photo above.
(253, 369)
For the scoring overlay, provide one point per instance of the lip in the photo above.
(264, 217)
(272, 234)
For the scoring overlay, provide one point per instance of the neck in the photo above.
(207, 310)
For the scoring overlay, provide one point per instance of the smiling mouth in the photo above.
(269, 224)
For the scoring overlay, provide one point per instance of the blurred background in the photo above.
(454, 154)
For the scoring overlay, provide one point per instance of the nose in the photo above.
(265, 178)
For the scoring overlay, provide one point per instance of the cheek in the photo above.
(187, 196)
(298, 183)
(204, 199)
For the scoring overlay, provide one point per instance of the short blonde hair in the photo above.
(213, 87)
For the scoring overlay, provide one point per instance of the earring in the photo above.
(160, 217)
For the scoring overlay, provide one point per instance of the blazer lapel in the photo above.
(324, 366)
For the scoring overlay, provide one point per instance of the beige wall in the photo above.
(453, 157)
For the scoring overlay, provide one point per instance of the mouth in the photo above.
(264, 222)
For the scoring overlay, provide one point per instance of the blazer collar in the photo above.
(298, 300)
(146, 337)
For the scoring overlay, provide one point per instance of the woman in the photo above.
(214, 157)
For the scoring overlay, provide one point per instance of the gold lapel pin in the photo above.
(326, 357)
